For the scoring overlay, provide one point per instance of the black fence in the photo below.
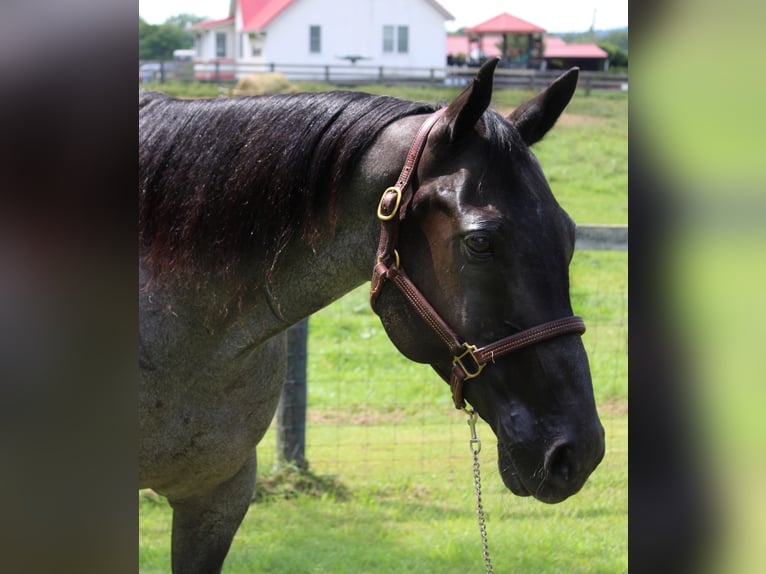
(340, 74)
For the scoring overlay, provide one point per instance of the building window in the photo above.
(220, 44)
(396, 38)
(315, 39)
(256, 44)
(403, 39)
(388, 39)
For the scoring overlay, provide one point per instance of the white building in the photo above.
(391, 33)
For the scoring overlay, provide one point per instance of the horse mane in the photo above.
(225, 182)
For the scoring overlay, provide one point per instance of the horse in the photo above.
(255, 212)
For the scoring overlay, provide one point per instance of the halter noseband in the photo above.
(468, 361)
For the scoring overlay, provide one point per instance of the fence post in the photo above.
(327, 74)
(217, 67)
(162, 71)
(291, 412)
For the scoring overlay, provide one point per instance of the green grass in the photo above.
(397, 515)
(586, 163)
(186, 89)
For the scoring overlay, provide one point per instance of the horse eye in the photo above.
(478, 244)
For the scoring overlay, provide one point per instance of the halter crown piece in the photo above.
(468, 361)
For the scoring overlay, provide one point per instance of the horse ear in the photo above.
(535, 117)
(463, 113)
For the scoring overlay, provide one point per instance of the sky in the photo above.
(553, 15)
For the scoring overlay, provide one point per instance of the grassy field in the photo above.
(395, 506)
(390, 486)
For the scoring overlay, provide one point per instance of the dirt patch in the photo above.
(289, 482)
(355, 415)
(614, 407)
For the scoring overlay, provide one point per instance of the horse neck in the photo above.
(304, 278)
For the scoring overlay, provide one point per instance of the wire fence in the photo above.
(369, 414)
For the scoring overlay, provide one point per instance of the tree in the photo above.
(184, 20)
(157, 42)
(618, 58)
(613, 42)
(618, 38)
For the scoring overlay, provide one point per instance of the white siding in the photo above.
(355, 27)
(207, 43)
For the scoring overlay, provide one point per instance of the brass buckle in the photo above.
(381, 259)
(469, 351)
(389, 217)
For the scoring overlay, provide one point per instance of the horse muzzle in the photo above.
(557, 472)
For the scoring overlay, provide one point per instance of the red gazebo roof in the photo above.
(556, 48)
(462, 44)
(505, 24)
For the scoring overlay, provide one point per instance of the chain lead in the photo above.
(475, 445)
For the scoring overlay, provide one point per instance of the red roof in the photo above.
(459, 44)
(505, 24)
(556, 48)
(213, 23)
(257, 14)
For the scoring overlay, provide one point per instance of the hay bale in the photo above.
(263, 84)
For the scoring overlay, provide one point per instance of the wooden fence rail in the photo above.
(601, 238)
(340, 74)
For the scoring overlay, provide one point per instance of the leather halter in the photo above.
(468, 360)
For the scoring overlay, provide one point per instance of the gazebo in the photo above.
(504, 25)
(560, 55)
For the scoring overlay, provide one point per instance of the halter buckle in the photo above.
(389, 216)
(382, 259)
(476, 368)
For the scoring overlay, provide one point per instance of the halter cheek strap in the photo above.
(468, 361)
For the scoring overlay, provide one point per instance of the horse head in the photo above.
(486, 245)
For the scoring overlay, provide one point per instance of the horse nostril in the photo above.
(559, 462)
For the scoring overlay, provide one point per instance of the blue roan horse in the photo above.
(256, 212)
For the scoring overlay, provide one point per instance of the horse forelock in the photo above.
(224, 183)
(501, 136)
